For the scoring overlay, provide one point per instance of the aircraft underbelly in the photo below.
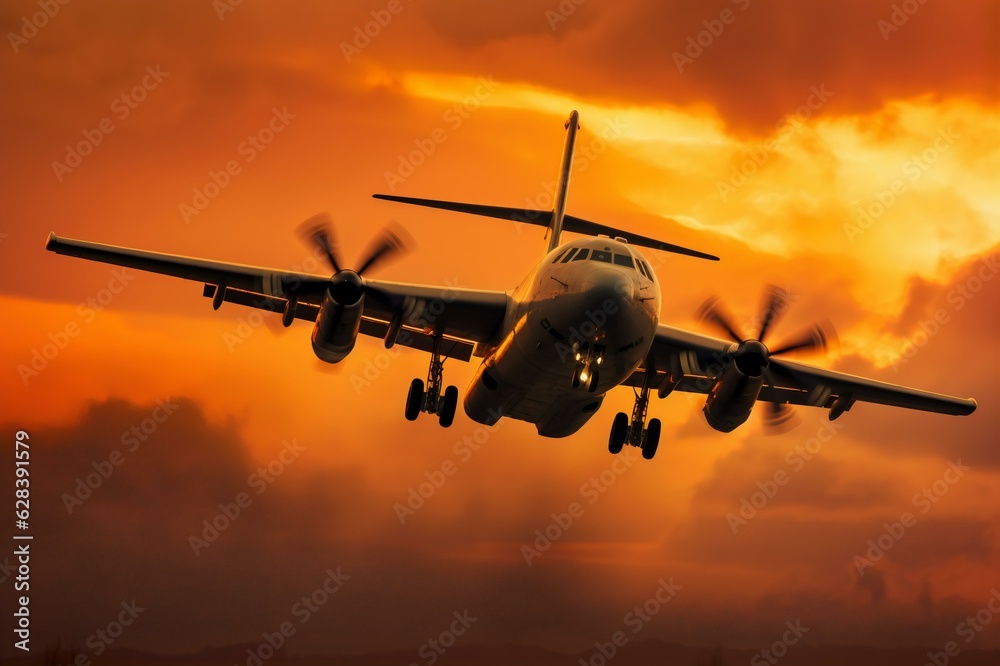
(529, 378)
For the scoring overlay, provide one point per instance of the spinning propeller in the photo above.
(753, 357)
(318, 232)
(347, 285)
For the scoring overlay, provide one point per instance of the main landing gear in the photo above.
(433, 400)
(637, 433)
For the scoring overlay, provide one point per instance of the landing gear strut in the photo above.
(433, 400)
(636, 433)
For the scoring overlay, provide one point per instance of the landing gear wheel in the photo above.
(619, 433)
(414, 400)
(448, 407)
(652, 439)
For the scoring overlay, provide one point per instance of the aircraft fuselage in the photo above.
(579, 324)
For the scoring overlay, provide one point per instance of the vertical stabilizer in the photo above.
(562, 189)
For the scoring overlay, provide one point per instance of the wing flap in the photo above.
(408, 337)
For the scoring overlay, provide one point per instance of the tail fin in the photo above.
(555, 220)
(562, 189)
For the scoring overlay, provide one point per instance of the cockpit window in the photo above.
(569, 256)
(601, 255)
(624, 260)
(649, 272)
(560, 256)
(582, 255)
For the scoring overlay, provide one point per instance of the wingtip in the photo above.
(50, 240)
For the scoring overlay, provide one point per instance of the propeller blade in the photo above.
(816, 337)
(712, 312)
(777, 302)
(779, 418)
(393, 241)
(318, 231)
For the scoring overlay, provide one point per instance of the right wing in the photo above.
(695, 360)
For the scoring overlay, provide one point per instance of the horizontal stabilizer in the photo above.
(543, 218)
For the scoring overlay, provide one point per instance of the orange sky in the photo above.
(765, 149)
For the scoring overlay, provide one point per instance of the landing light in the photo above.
(584, 376)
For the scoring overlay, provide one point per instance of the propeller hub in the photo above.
(752, 358)
(346, 287)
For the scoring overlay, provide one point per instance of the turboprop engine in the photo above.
(735, 391)
(339, 318)
(742, 378)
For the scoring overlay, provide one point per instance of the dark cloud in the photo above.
(950, 332)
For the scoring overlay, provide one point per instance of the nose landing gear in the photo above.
(588, 364)
(433, 400)
(636, 433)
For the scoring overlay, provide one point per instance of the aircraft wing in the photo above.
(463, 316)
(695, 360)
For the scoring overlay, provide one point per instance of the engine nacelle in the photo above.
(339, 319)
(732, 398)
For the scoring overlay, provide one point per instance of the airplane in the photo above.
(584, 321)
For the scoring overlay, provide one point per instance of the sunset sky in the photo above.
(848, 151)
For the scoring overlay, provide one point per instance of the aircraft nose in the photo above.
(609, 296)
(608, 285)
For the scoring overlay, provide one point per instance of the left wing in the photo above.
(693, 361)
(463, 317)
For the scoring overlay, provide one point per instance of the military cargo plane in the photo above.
(584, 321)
